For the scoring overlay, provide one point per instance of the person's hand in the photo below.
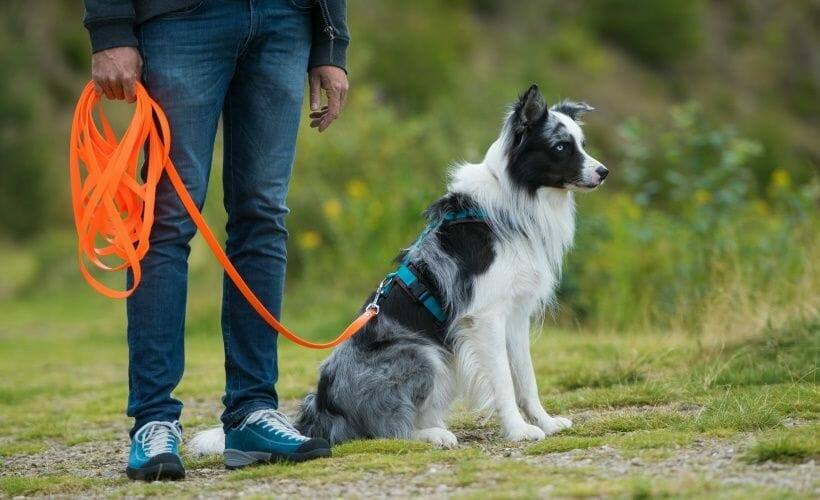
(116, 71)
(333, 81)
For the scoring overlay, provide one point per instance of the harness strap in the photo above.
(409, 278)
(420, 292)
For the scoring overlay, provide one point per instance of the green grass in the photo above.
(50, 485)
(646, 396)
(796, 444)
(560, 444)
(779, 356)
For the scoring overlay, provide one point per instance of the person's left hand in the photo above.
(333, 81)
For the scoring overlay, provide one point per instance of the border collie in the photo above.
(490, 272)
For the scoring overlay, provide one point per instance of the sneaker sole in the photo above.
(158, 472)
(236, 459)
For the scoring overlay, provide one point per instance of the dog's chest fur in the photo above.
(532, 234)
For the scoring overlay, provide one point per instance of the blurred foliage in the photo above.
(658, 32)
(707, 118)
(688, 224)
(21, 115)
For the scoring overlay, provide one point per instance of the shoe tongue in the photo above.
(275, 417)
(159, 430)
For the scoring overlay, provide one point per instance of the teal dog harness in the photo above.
(407, 274)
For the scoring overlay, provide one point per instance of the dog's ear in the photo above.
(531, 107)
(572, 109)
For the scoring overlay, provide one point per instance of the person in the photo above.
(246, 60)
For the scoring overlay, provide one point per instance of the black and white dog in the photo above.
(490, 268)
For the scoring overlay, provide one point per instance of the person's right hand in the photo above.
(115, 71)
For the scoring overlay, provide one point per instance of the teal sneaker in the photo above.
(155, 452)
(267, 436)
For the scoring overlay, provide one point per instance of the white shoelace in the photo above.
(157, 437)
(275, 421)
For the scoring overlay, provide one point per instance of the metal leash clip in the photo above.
(374, 304)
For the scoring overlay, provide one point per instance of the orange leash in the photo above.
(113, 205)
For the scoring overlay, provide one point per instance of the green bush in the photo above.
(420, 50)
(688, 222)
(25, 200)
(658, 32)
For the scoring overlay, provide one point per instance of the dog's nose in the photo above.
(602, 172)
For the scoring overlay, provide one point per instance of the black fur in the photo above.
(469, 242)
(543, 153)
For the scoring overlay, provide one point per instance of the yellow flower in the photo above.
(309, 240)
(332, 209)
(781, 178)
(702, 196)
(356, 189)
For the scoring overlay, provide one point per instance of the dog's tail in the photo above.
(209, 442)
(314, 421)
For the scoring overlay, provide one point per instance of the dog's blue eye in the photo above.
(559, 147)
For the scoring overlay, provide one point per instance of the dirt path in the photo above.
(713, 461)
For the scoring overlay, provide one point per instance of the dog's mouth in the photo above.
(584, 186)
(589, 181)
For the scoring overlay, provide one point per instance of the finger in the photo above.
(315, 93)
(98, 89)
(109, 92)
(319, 114)
(116, 88)
(129, 90)
(344, 96)
(333, 106)
(321, 111)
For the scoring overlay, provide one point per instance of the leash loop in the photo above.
(114, 208)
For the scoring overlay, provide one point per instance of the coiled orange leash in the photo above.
(113, 205)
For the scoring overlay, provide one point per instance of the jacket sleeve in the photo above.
(330, 34)
(110, 23)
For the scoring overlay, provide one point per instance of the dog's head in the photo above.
(546, 146)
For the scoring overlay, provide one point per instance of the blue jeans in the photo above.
(246, 60)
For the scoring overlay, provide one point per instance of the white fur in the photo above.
(209, 442)
(438, 436)
(492, 355)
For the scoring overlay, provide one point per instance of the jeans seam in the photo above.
(251, 29)
(226, 328)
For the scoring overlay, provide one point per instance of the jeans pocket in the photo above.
(302, 4)
(187, 11)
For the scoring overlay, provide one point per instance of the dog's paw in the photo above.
(437, 436)
(524, 432)
(551, 425)
(564, 423)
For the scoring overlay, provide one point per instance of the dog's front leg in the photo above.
(488, 338)
(523, 374)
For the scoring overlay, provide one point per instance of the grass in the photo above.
(50, 485)
(642, 397)
(787, 445)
